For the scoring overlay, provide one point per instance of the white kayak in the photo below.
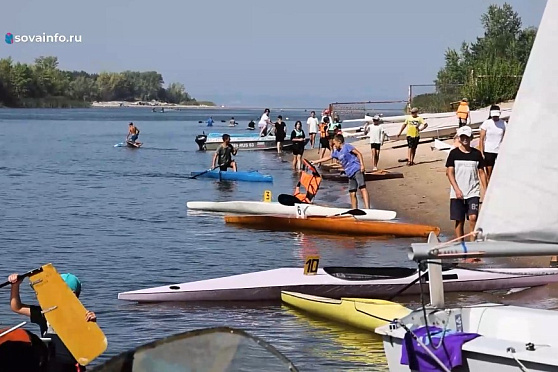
(257, 207)
(337, 282)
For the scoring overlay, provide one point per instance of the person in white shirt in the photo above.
(264, 123)
(491, 135)
(312, 123)
(376, 134)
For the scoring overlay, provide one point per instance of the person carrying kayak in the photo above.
(223, 155)
(210, 121)
(353, 164)
(133, 134)
(61, 360)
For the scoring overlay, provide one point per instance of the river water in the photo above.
(117, 218)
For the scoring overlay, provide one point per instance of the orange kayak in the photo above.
(339, 225)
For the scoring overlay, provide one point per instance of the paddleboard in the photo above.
(65, 313)
(133, 145)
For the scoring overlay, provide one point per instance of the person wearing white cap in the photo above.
(491, 135)
(376, 134)
(465, 172)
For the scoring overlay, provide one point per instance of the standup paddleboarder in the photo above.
(133, 134)
(61, 360)
(353, 164)
(223, 155)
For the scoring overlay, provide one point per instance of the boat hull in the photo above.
(332, 282)
(367, 314)
(249, 176)
(489, 352)
(335, 225)
(254, 207)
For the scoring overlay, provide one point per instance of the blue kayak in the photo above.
(250, 176)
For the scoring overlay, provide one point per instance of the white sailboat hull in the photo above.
(336, 283)
(255, 207)
(500, 328)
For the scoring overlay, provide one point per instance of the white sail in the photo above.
(521, 203)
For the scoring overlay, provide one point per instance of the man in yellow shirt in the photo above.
(414, 124)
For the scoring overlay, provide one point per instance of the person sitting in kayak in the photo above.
(223, 155)
(353, 164)
(133, 134)
(252, 124)
(61, 359)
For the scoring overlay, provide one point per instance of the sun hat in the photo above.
(465, 131)
(376, 117)
(414, 109)
(73, 282)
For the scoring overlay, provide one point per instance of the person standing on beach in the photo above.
(353, 164)
(376, 134)
(297, 138)
(312, 123)
(280, 133)
(463, 113)
(465, 172)
(491, 135)
(413, 124)
(324, 139)
(264, 123)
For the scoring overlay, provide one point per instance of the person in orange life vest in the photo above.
(463, 113)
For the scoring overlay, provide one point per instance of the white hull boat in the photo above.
(256, 207)
(337, 282)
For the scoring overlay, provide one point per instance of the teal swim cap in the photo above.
(73, 282)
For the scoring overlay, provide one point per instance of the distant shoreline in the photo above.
(156, 105)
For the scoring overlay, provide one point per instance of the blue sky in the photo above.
(259, 53)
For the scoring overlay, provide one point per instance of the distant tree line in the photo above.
(488, 70)
(42, 84)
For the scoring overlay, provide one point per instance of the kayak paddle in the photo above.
(352, 212)
(65, 313)
(204, 172)
(289, 200)
(22, 276)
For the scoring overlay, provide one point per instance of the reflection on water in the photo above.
(362, 349)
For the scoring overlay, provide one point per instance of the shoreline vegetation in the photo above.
(43, 85)
(486, 71)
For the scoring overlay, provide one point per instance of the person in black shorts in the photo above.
(465, 171)
(298, 138)
(280, 133)
(223, 155)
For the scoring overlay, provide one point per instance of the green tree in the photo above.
(488, 69)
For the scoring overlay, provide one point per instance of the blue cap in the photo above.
(73, 282)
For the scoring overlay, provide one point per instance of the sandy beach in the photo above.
(422, 196)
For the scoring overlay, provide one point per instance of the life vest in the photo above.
(463, 110)
(323, 130)
(21, 350)
(310, 181)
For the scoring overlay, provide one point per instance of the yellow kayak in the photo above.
(361, 313)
